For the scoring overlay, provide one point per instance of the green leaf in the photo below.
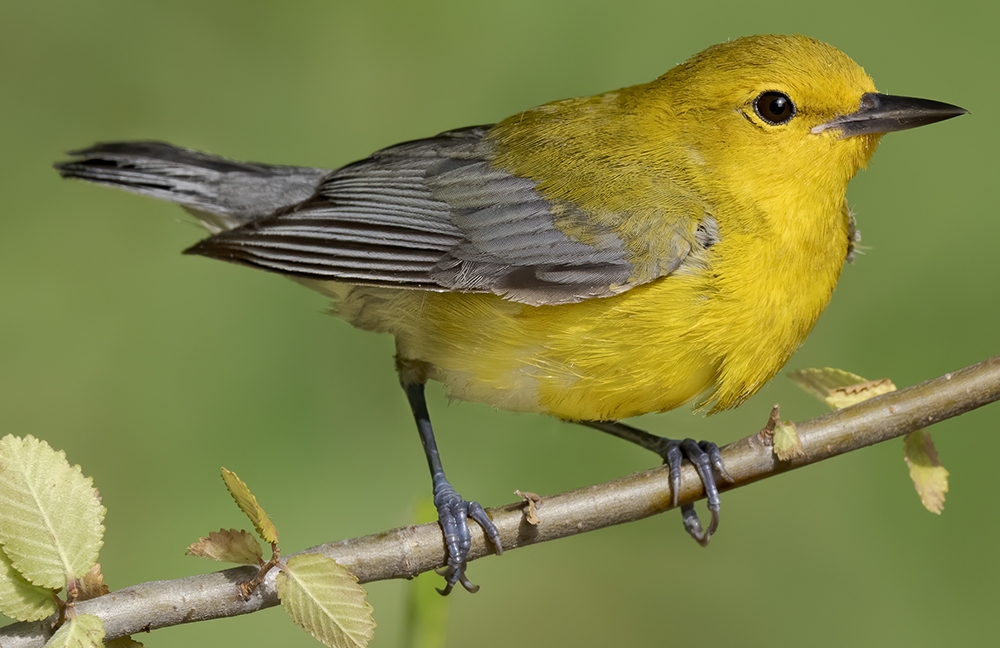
(248, 504)
(787, 444)
(929, 477)
(51, 521)
(123, 642)
(838, 388)
(80, 631)
(326, 600)
(19, 599)
(228, 545)
(841, 388)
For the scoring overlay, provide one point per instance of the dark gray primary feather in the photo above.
(430, 214)
(222, 193)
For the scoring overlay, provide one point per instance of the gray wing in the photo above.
(221, 193)
(430, 214)
(434, 215)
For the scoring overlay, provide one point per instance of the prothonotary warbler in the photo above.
(592, 259)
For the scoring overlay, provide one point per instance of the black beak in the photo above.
(881, 113)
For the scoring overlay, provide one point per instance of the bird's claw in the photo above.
(693, 525)
(453, 515)
(705, 456)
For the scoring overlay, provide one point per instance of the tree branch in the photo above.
(408, 551)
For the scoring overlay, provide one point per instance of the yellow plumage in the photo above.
(593, 259)
(646, 163)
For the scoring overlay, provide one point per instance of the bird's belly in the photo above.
(650, 349)
(600, 359)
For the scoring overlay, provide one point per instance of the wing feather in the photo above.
(435, 215)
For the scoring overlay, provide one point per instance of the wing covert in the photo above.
(434, 214)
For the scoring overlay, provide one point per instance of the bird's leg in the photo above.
(704, 455)
(453, 511)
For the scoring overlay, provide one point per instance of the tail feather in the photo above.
(221, 193)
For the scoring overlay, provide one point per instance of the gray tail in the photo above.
(221, 193)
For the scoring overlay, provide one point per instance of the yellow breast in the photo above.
(721, 331)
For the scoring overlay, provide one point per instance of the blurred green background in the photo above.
(152, 369)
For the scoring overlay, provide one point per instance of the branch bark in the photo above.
(408, 551)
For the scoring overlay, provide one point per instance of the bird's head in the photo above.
(776, 109)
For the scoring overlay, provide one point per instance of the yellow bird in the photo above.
(592, 259)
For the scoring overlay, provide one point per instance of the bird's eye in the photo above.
(775, 108)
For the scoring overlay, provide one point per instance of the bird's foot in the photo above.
(453, 515)
(705, 456)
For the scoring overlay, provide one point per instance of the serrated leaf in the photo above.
(51, 520)
(124, 642)
(787, 444)
(853, 394)
(228, 545)
(80, 631)
(19, 599)
(819, 382)
(838, 388)
(248, 504)
(929, 477)
(326, 600)
(841, 388)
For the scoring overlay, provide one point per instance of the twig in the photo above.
(408, 551)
